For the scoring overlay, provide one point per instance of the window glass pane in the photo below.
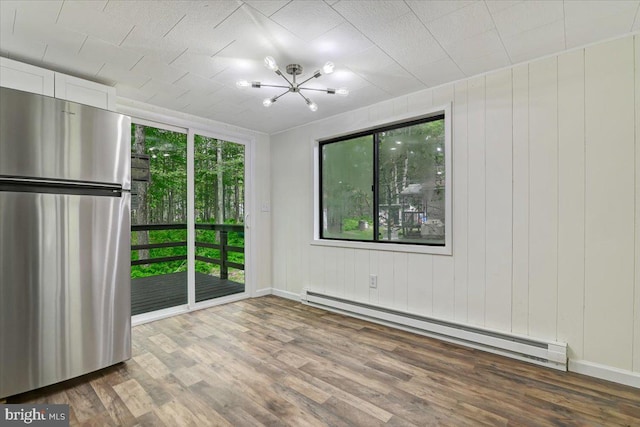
(347, 195)
(219, 217)
(159, 218)
(411, 184)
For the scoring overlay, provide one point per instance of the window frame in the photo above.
(385, 245)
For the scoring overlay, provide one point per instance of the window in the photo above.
(387, 185)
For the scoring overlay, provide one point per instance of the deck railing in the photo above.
(223, 246)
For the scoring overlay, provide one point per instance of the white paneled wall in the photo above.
(545, 178)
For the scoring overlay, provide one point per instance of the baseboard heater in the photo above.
(549, 354)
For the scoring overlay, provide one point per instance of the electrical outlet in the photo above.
(373, 281)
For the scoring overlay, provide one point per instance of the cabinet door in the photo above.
(25, 77)
(84, 92)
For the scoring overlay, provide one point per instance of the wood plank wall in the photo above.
(544, 220)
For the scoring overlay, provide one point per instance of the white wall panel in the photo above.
(498, 199)
(374, 258)
(571, 201)
(609, 220)
(460, 194)
(361, 275)
(443, 267)
(385, 279)
(316, 268)
(520, 268)
(636, 328)
(400, 281)
(420, 284)
(331, 256)
(545, 185)
(476, 120)
(349, 276)
(543, 197)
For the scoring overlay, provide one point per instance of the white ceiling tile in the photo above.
(166, 100)
(36, 12)
(117, 74)
(197, 84)
(340, 42)
(496, 6)
(462, 24)
(307, 19)
(157, 70)
(442, 71)
(364, 15)
(153, 87)
(589, 21)
(156, 21)
(70, 63)
(98, 50)
(22, 49)
(87, 17)
(202, 65)
(391, 78)
(147, 44)
(480, 53)
(211, 12)
(480, 64)
(428, 11)
(197, 35)
(526, 16)
(403, 37)
(536, 43)
(267, 7)
(131, 92)
(368, 60)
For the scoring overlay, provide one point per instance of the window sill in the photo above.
(386, 247)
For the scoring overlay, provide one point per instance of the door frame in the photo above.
(140, 115)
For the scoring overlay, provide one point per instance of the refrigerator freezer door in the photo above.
(65, 305)
(51, 138)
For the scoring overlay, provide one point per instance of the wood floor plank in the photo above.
(275, 362)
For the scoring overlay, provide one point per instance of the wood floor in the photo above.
(271, 361)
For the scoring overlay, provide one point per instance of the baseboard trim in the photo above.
(262, 292)
(604, 372)
(285, 294)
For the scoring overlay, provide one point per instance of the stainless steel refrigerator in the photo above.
(65, 295)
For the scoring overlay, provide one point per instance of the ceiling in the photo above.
(187, 55)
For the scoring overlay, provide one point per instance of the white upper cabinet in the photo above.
(25, 77)
(84, 92)
(29, 78)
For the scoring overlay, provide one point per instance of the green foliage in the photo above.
(217, 164)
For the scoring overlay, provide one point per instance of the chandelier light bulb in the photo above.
(328, 68)
(312, 106)
(243, 84)
(267, 102)
(270, 63)
(343, 91)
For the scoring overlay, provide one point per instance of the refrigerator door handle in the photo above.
(44, 185)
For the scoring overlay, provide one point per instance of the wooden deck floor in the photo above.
(270, 361)
(169, 290)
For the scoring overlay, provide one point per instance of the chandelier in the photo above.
(293, 86)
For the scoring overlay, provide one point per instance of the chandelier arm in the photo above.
(314, 89)
(285, 78)
(280, 86)
(307, 100)
(316, 75)
(282, 94)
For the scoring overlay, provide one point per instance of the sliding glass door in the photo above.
(188, 218)
(219, 187)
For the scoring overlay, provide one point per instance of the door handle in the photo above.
(246, 221)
